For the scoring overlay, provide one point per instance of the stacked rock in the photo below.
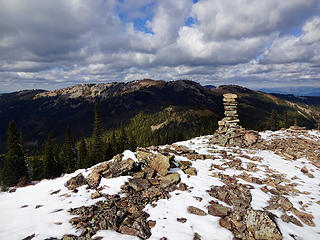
(230, 111)
(230, 133)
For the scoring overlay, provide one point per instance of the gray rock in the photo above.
(76, 182)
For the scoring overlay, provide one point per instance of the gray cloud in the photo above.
(50, 44)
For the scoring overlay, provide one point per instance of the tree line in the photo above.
(18, 168)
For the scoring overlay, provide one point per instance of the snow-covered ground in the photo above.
(40, 209)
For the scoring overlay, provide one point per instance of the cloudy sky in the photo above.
(255, 43)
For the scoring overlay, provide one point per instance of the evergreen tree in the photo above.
(97, 153)
(15, 163)
(83, 154)
(36, 168)
(286, 122)
(68, 154)
(123, 140)
(52, 167)
(114, 143)
(274, 120)
(133, 143)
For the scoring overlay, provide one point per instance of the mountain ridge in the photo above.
(38, 112)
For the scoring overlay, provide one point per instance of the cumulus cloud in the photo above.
(304, 48)
(51, 44)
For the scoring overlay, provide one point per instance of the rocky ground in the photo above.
(188, 190)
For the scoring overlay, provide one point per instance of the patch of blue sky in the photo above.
(297, 31)
(190, 21)
(140, 23)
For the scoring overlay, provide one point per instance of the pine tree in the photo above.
(97, 153)
(15, 163)
(36, 168)
(114, 143)
(68, 154)
(52, 167)
(83, 154)
(123, 140)
(274, 120)
(286, 122)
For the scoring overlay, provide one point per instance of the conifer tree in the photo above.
(83, 154)
(123, 140)
(52, 167)
(15, 163)
(114, 143)
(97, 153)
(274, 120)
(36, 168)
(286, 122)
(68, 154)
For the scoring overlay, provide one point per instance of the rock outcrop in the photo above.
(151, 182)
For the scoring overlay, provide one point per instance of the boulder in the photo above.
(250, 138)
(139, 184)
(261, 225)
(184, 164)
(143, 155)
(101, 167)
(76, 182)
(119, 168)
(216, 209)
(236, 195)
(169, 179)
(93, 179)
(160, 163)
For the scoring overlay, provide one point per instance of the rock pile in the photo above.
(243, 221)
(150, 182)
(230, 133)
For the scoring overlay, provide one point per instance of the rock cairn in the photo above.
(230, 122)
(230, 133)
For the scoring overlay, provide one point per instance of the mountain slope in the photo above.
(209, 192)
(39, 112)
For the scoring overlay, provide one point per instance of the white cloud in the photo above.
(50, 44)
(304, 48)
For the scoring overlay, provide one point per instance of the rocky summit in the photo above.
(196, 189)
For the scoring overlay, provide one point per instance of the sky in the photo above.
(253, 43)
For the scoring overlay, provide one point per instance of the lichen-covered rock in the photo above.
(93, 179)
(251, 224)
(169, 179)
(76, 182)
(184, 164)
(196, 211)
(306, 218)
(236, 195)
(139, 184)
(250, 138)
(216, 209)
(160, 164)
(120, 168)
(261, 226)
(191, 171)
(286, 218)
(101, 167)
